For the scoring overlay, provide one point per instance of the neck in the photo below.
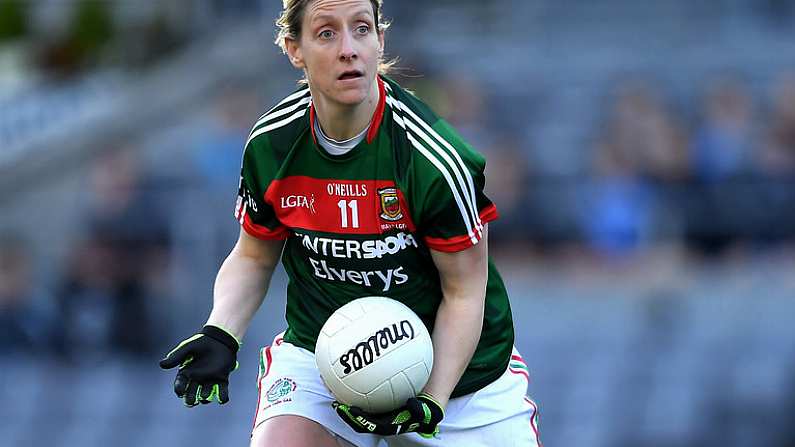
(343, 121)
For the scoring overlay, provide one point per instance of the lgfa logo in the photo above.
(293, 201)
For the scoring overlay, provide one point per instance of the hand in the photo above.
(421, 414)
(205, 361)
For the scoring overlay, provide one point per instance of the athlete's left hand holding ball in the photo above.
(421, 414)
(456, 332)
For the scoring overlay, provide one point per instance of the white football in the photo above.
(374, 353)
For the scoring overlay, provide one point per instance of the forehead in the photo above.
(337, 8)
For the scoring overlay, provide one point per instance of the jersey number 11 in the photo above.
(343, 205)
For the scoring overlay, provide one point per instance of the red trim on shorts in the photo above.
(259, 396)
(517, 371)
(533, 420)
(462, 242)
(256, 412)
(518, 358)
(268, 359)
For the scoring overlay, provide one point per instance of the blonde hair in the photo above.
(292, 16)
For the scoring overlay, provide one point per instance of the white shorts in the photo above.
(499, 414)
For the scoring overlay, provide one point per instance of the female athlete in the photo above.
(361, 190)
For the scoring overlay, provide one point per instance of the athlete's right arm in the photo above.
(242, 282)
(206, 359)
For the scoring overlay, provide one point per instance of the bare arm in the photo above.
(242, 282)
(459, 320)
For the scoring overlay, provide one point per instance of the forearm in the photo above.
(240, 287)
(455, 336)
(459, 319)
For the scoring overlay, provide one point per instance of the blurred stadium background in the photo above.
(642, 155)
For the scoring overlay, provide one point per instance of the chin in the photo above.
(351, 97)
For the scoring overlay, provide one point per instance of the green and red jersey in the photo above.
(363, 223)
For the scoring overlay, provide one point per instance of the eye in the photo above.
(326, 34)
(363, 29)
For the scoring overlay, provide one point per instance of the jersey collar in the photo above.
(375, 122)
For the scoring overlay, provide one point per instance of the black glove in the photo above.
(205, 361)
(421, 414)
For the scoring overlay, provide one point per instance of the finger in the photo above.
(223, 393)
(361, 421)
(343, 411)
(181, 384)
(415, 408)
(192, 393)
(174, 358)
(179, 354)
(207, 392)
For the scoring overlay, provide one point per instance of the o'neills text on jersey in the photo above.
(367, 351)
(347, 190)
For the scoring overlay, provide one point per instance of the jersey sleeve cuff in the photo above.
(262, 232)
(462, 242)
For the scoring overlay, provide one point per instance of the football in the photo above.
(374, 353)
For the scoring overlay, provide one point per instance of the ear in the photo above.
(380, 42)
(294, 53)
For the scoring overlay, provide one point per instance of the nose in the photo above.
(348, 50)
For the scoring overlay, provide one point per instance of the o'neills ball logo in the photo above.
(367, 351)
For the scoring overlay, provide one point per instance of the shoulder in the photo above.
(432, 143)
(276, 130)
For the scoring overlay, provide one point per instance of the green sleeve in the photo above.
(449, 177)
(255, 215)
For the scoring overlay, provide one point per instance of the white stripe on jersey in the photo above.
(280, 113)
(475, 213)
(277, 124)
(471, 201)
(442, 169)
(449, 147)
(243, 210)
(471, 218)
(450, 183)
(284, 101)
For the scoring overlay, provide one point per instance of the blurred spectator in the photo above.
(507, 174)
(459, 99)
(618, 204)
(643, 148)
(114, 271)
(647, 135)
(722, 145)
(219, 148)
(217, 156)
(467, 107)
(26, 312)
(777, 156)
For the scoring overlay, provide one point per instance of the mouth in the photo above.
(350, 74)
